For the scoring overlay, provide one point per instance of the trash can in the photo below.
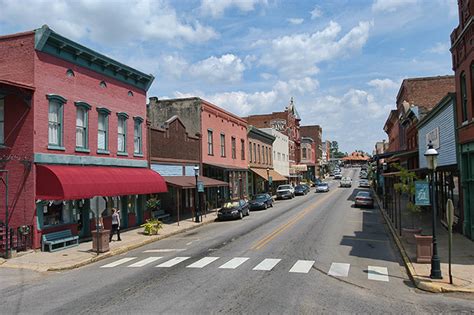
(101, 240)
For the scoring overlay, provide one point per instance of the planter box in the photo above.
(424, 248)
(409, 234)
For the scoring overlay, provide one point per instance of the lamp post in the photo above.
(196, 214)
(431, 156)
(268, 179)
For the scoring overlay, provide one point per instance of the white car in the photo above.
(285, 191)
(338, 176)
(322, 187)
(345, 182)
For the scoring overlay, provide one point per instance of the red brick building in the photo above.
(314, 132)
(462, 39)
(73, 136)
(223, 141)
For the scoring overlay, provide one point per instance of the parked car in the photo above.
(233, 210)
(301, 190)
(285, 191)
(345, 182)
(322, 187)
(261, 201)
(363, 175)
(338, 176)
(364, 199)
(364, 183)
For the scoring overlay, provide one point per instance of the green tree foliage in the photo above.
(406, 185)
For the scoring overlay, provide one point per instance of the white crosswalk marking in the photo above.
(165, 250)
(339, 270)
(267, 264)
(201, 263)
(234, 263)
(144, 262)
(378, 273)
(172, 262)
(118, 262)
(302, 266)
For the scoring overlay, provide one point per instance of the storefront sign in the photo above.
(433, 137)
(270, 180)
(422, 193)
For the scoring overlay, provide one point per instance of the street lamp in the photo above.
(431, 156)
(196, 214)
(268, 179)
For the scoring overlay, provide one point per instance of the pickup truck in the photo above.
(345, 182)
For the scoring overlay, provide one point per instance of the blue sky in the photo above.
(342, 61)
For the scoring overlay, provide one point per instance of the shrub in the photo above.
(152, 226)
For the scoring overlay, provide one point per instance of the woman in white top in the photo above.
(115, 224)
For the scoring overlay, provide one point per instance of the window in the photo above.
(55, 121)
(259, 154)
(130, 93)
(234, 156)
(254, 153)
(122, 132)
(263, 154)
(463, 97)
(102, 84)
(210, 147)
(70, 73)
(137, 136)
(103, 130)
(242, 147)
(250, 151)
(222, 145)
(304, 153)
(2, 122)
(279, 156)
(82, 123)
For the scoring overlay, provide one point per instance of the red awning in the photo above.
(64, 182)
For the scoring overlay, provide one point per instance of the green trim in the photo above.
(56, 97)
(83, 104)
(50, 158)
(122, 114)
(103, 110)
(56, 147)
(50, 42)
(138, 119)
(83, 150)
(103, 151)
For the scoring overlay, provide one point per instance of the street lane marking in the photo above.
(144, 262)
(339, 270)
(267, 264)
(203, 262)
(118, 262)
(165, 250)
(172, 262)
(302, 266)
(234, 263)
(378, 273)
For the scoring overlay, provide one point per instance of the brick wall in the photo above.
(314, 132)
(17, 58)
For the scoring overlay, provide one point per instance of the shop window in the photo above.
(2, 122)
(122, 133)
(210, 144)
(55, 121)
(137, 136)
(222, 145)
(103, 130)
(57, 212)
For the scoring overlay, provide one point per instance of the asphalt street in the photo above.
(312, 254)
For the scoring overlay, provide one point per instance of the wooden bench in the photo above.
(59, 240)
(160, 214)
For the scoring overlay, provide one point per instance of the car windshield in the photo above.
(322, 184)
(284, 187)
(232, 204)
(299, 187)
(363, 194)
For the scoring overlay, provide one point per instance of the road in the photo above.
(312, 254)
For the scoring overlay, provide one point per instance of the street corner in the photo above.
(426, 284)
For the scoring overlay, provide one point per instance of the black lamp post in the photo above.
(198, 210)
(268, 179)
(432, 160)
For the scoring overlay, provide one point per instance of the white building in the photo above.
(281, 151)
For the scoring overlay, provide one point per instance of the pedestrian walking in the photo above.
(115, 224)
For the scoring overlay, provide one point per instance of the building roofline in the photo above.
(21, 34)
(447, 76)
(261, 133)
(437, 108)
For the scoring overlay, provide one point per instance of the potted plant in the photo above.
(406, 185)
(152, 226)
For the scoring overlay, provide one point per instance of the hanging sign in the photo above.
(422, 193)
(200, 186)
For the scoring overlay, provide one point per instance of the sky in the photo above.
(342, 61)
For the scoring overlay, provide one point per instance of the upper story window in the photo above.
(122, 132)
(55, 121)
(263, 154)
(304, 153)
(259, 154)
(234, 154)
(242, 149)
(137, 136)
(130, 93)
(70, 73)
(103, 130)
(250, 151)
(82, 125)
(463, 97)
(2, 122)
(222, 145)
(102, 84)
(210, 143)
(254, 153)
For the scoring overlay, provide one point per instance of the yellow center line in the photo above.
(262, 242)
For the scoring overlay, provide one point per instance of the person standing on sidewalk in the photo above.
(115, 224)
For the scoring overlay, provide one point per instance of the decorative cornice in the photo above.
(56, 97)
(123, 114)
(103, 110)
(83, 104)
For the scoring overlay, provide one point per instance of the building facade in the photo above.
(223, 140)
(315, 132)
(462, 58)
(308, 158)
(281, 163)
(74, 136)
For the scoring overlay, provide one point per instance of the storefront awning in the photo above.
(190, 181)
(227, 167)
(276, 177)
(65, 182)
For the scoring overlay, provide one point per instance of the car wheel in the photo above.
(241, 215)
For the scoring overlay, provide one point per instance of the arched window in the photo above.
(70, 73)
(102, 84)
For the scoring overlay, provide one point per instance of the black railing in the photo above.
(20, 239)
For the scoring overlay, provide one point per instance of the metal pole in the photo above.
(435, 261)
(7, 236)
(97, 223)
(197, 202)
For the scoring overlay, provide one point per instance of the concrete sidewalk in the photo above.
(82, 255)
(462, 264)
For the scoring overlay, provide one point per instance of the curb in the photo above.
(417, 281)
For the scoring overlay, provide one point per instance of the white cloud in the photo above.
(298, 55)
(111, 23)
(295, 21)
(440, 48)
(391, 5)
(227, 68)
(316, 12)
(216, 8)
(384, 85)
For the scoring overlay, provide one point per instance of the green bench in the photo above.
(59, 240)
(160, 214)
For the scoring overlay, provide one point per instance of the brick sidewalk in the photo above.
(82, 255)
(462, 260)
